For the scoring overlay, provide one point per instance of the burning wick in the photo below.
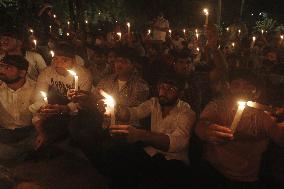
(35, 42)
(149, 32)
(52, 53)
(75, 78)
(110, 102)
(119, 35)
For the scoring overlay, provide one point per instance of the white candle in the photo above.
(184, 31)
(239, 31)
(68, 23)
(44, 97)
(262, 31)
(149, 32)
(49, 28)
(197, 35)
(233, 45)
(170, 31)
(76, 78)
(228, 29)
(54, 16)
(238, 115)
(119, 35)
(110, 105)
(206, 12)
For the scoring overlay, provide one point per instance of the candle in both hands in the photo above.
(110, 105)
(76, 87)
(238, 115)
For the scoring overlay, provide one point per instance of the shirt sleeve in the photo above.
(141, 111)
(40, 63)
(179, 138)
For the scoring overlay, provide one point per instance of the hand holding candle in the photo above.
(110, 105)
(75, 79)
(44, 97)
(206, 12)
(238, 115)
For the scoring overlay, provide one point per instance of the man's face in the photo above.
(123, 66)
(242, 89)
(8, 44)
(168, 94)
(62, 64)
(271, 57)
(10, 74)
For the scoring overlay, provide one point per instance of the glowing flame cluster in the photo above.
(109, 101)
(72, 72)
(242, 104)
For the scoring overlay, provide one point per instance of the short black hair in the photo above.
(172, 79)
(64, 48)
(126, 52)
(16, 60)
(247, 75)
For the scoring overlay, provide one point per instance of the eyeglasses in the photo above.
(167, 88)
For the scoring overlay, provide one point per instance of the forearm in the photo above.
(157, 140)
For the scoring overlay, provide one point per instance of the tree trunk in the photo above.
(219, 12)
(242, 9)
(72, 15)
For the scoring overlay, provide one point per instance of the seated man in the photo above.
(127, 88)
(155, 158)
(16, 95)
(12, 44)
(55, 81)
(232, 160)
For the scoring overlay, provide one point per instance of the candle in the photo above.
(35, 42)
(239, 31)
(54, 16)
(128, 27)
(196, 30)
(49, 28)
(68, 23)
(206, 12)
(86, 21)
(75, 79)
(197, 35)
(198, 49)
(67, 34)
(228, 29)
(149, 32)
(170, 31)
(119, 35)
(233, 45)
(52, 53)
(282, 37)
(238, 115)
(110, 105)
(184, 31)
(43, 94)
(262, 31)
(32, 31)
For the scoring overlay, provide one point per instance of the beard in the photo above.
(164, 101)
(10, 81)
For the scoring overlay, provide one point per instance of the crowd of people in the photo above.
(176, 98)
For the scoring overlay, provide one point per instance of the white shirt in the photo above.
(50, 79)
(177, 126)
(36, 64)
(14, 105)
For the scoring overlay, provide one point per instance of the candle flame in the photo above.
(34, 41)
(253, 38)
(43, 94)
(239, 31)
(31, 30)
(72, 72)
(206, 12)
(86, 21)
(233, 44)
(68, 22)
(54, 15)
(67, 34)
(170, 31)
(196, 30)
(242, 104)
(282, 37)
(128, 24)
(184, 30)
(52, 53)
(198, 49)
(108, 100)
(149, 31)
(227, 28)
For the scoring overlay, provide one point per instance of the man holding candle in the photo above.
(232, 160)
(55, 80)
(17, 134)
(156, 158)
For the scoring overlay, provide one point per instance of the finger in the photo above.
(119, 132)
(222, 136)
(119, 127)
(221, 129)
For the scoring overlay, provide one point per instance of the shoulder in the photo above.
(139, 82)
(184, 107)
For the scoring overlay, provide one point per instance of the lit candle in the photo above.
(228, 29)
(110, 105)
(86, 21)
(119, 35)
(54, 16)
(68, 23)
(75, 79)
(49, 28)
(32, 31)
(43, 94)
(196, 30)
(282, 37)
(128, 27)
(184, 31)
(35, 42)
(206, 12)
(262, 31)
(67, 34)
(197, 35)
(149, 32)
(233, 45)
(198, 49)
(52, 53)
(239, 31)
(170, 31)
(238, 115)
